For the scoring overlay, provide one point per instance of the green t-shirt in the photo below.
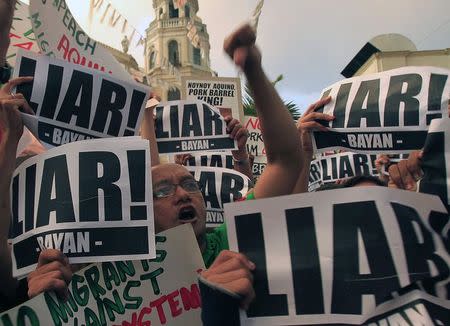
(217, 240)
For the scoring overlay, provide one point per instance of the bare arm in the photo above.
(305, 125)
(240, 156)
(278, 129)
(148, 132)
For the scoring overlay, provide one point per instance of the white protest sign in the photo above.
(436, 161)
(331, 168)
(211, 159)
(387, 112)
(59, 35)
(331, 257)
(91, 199)
(160, 291)
(190, 126)
(21, 34)
(74, 103)
(219, 186)
(258, 166)
(224, 93)
(255, 142)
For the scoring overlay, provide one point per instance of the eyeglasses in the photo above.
(168, 189)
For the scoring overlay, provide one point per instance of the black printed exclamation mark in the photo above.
(435, 92)
(137, 172)
(135, 108)
(221, 101)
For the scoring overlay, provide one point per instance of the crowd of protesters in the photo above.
(227, 283)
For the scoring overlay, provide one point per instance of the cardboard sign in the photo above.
(436, 161)
(332, 257)
(387, 112)
(255, 142)
(59, 35)
(219, 186)
(211, 159)
(221, 92)
(74, 103)
(190, 126)
(92, 200)
(21, 35)
(330, 168)
(160, 291)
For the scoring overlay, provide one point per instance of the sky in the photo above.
(309, 42)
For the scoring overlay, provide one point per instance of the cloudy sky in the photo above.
(308, 41)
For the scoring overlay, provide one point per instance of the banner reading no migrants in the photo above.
(190, 126)
(59, 35)
(91, 199)
(346, 256)
(387, 112)
(161, 291)
(75, 103)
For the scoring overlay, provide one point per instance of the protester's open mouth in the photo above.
(187, 214)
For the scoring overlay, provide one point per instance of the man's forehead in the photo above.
(169, 172)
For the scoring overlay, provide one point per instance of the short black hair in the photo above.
(351, 182)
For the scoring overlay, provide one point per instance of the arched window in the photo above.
(187, 11)
(173, 94)
(152, 59)
(174, 55)
(197, 56)
(173, 13)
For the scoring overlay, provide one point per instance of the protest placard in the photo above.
(91, 199)
(190, 126)
(258, 166)
(211, 159)
(160, 291)
(74, 103)
(255, 142)
(224, 93)
(330, 168)
(387, 112)
(219, 186)
(59, 35)
(436, 161)
(332, 257)
(21, 35)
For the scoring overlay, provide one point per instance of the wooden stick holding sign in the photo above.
(190, 126)
(219, 186)
(91, 199)
(387, 112)
(332, 257)
(74, 103)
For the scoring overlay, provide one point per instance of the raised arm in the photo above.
(241, 160)
(148, 129)
(11, 129)
(278, 128)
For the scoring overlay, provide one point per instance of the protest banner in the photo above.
(436, 161)
(91, 199)
(219, 186)
(387, 112)
(224, 93)
(74, 103)
(258, 166)
(190, 126)
(160, 291)
(330, 168)
(255, 142)
(211, 159)
(21, 35)
(332, 257)
(59, 35)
